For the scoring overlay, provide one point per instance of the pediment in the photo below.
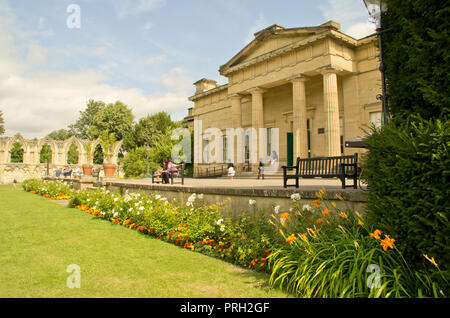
(274, 38)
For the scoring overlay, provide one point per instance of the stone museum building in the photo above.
(317, 85)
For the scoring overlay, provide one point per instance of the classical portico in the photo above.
(316, 85)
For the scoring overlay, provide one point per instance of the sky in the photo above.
(145, 53)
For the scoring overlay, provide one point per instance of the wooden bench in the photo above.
(157, 176)
(341, 167)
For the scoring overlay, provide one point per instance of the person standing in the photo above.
(261, 169)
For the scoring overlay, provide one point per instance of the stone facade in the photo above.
(317, 85)
(31, 166)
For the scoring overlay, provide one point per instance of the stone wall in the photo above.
(31, 166)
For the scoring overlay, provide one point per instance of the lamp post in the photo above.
(146, 168)
(376, 9)
(48, 157)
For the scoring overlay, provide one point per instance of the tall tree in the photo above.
(2, 122)
(115, 118)
(16, 153)
(417, 58)
(85, 122)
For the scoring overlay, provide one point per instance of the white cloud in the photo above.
(259, 25)
(126, 8)
(35, 103)
(351, 14)
(155, 60)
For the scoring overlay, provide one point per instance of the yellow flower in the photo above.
(376, 234)
(339, 197)
(356, 244)
(320, 193)
(387, 242)
(359, 215)
(333, 205)
(431, 260)
(343, 215)
(361, 223)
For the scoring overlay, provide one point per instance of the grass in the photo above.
(39, 239)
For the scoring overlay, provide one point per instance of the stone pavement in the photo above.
(305, 184)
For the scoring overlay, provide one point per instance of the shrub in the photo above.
(408, 170)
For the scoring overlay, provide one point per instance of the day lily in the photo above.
(387, 242)
(325, 212)
(431, 260)
(291, 238)
(376, 234)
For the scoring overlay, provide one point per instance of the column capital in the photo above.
(257, 90)
(297, 78)
(329, 69)
(235, 96)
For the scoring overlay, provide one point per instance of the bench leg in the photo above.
(285, 182)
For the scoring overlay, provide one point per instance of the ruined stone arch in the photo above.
(78, 144)
(53, 148)
(25, 146)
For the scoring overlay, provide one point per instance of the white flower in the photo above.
(251, 202)
(136, 204)
(218, 222)
(157, 196)
(116, 214)
(307, 207)
(138, 213)
(296, 197)
(141, 208)
(116, 199)
(188, 203)
(222, 228)
(200, 196)
(192, 197)
(276, 209)
(130, 209)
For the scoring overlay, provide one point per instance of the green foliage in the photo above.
(98, 155)
(45, 151)
(135, 163)
(115, 118)
(86, 120)
(2, 122)
(331, 252)
(108, 141)
(16, 153)
(408, 171)
(417, 58)
(61, 134)
(72, 155)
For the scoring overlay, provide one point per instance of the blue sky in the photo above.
(146, 53)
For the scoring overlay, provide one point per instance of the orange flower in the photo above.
(285, 216)
(387, 242)
(291, 238)
(316, 203)
(361, 223)
(319, 221)
(325, 212)
(376, 234)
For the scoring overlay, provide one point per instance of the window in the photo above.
(225, 158)
(341, 130)
(375, 119)
(269, 141)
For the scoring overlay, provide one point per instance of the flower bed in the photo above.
(310, 251)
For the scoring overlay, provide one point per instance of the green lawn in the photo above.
(39, 239)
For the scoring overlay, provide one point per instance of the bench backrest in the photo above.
(325, 166)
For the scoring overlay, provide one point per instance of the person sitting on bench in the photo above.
(67, 172)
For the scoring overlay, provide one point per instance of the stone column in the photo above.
(237, 123)
(331, 109)
(257, 123)
(299, 117)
